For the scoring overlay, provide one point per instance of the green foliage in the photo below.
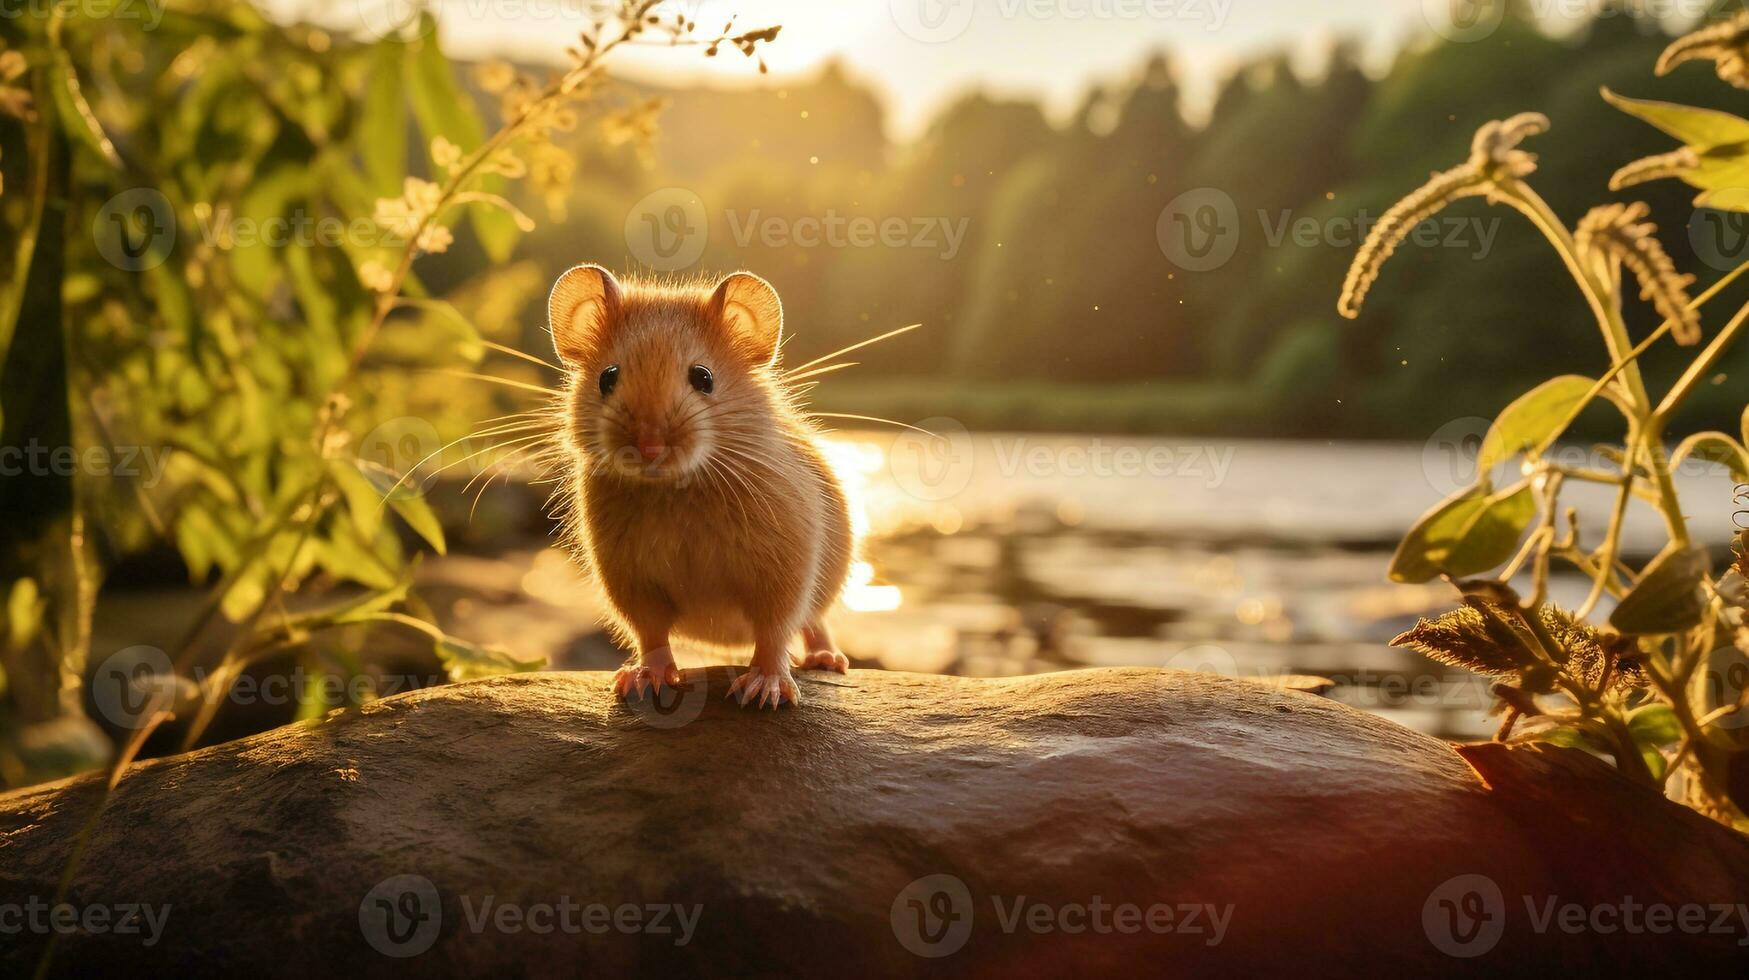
(466, 661)
(1636, 690)
(1668, 597)
(1533, 422)
(223, 228)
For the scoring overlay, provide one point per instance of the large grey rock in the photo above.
(890, 825)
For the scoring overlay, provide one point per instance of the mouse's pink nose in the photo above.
(651, 443)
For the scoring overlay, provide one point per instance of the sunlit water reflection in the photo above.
(994, 555)
(1009, 554)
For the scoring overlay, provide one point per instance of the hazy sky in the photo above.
(921, 53)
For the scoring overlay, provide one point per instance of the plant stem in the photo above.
(1605, 303)
(1699, 369)
(1526, 200)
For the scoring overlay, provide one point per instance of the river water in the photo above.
(997, 555)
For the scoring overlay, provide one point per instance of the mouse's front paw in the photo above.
(636, 681)
(762, 688)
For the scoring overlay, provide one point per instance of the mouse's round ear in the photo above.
(583, 305)
(750, 309)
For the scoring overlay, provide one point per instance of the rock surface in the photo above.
(893, 824)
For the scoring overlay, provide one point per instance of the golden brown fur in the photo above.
(709, 516)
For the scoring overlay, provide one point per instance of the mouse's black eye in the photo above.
(700, 376)
(609, 378)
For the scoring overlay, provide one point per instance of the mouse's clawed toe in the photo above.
(638, 680)
(762, 688)
(823, 660)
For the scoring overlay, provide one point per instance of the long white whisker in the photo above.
(871, 418)
(513, 352)
(507, 382)
(857, 346)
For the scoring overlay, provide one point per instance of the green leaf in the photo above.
(1569, 737)
(1463, 525)
(418, 515)
(75, 113)
(362, 608)
(202, 541)
(382, 129)
(1535, 420)
(313, 697)
(467, 661)
(444, 326)
(444, 109)
(1490, 537)
(1724, 199)
(439, 104)
(495, 228)
(1699, 128)
(268, 198)
(24, 609)
(405, 501)
(1668, 598)
(1656, 764)
(364, 502)
(1715, 447)
(346, 558)
(1722, 172)
(1423, 550)
(1654, 724)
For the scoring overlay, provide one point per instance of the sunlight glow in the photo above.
(855, 462)
(861, 596)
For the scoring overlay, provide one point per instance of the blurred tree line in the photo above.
(1061, 309)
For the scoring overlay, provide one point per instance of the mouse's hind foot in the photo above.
(822, 652)
(821, 660)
